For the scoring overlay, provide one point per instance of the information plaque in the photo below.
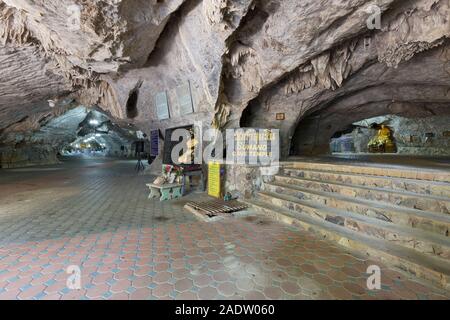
(162, 106)
(184, 95)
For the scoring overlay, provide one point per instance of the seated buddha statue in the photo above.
(382, 142)
(188, 156)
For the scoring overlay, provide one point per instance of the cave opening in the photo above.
(75, 132)
(364, 137)
(225, 149)
(131, 107)
(93, 144)
(246, 116)
(99, 136)
(393, 134)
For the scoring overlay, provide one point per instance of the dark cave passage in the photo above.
(131, 107)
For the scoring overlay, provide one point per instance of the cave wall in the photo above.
(246, 61)
(418, 87)
(404, 63)
(26, 84)
(313, 134)
(361, 139)
(264, 67)
(38, 139)
(414, 136)
(190, 51)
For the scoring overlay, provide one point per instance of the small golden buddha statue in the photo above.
(188, 156)
(382, 142)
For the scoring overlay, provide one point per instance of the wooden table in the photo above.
(165, 192)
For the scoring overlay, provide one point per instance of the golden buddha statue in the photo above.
(382, 142)
(188, 156)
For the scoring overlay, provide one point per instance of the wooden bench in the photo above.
(165, 192)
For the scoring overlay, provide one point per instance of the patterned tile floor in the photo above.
(94, 214)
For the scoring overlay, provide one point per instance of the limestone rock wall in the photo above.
(405, 62)
(26, 84)
(190, 51)
(245, 61)
(38, 139)
(415, 136)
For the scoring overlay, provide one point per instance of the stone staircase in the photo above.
(398, 215)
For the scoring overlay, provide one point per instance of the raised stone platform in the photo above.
(418, 168)
(400, 215)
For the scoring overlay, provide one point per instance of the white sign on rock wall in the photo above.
(162, 106)
(184, 96)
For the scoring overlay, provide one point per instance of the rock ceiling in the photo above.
(236, 54)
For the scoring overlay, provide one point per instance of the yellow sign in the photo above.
(214, 184)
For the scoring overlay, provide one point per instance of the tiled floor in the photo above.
(95, 215)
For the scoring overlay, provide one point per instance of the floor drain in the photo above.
(208, 210)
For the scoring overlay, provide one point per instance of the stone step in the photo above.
(428, 221)
(436, 188)
(422, 241)
(401, 198)
(424, 266)
(376, 170)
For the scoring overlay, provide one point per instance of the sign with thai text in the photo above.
(214, 181)
(154, 143)
(255, 146)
